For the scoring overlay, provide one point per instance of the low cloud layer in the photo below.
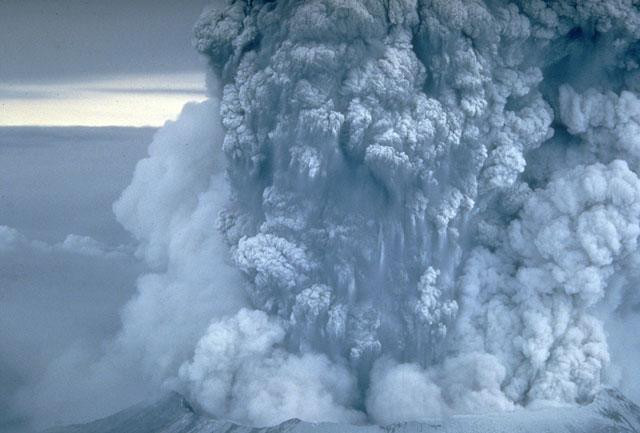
(60, 293)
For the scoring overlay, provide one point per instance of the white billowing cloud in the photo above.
(403, 392)
(86, 245)
(575, 230)
(12, 240)
(183, 161)
(240, 370)
(603, 119)
(528, 302)
(171, 207)
(470, 383)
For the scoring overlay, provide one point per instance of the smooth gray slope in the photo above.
(610, 412)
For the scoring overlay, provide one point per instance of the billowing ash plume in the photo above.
(430, 203)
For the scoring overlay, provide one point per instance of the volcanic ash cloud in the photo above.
(391, 211)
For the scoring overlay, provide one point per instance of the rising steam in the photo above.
(428, 206)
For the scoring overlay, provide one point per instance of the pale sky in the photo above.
(116, 100)
(97, 63)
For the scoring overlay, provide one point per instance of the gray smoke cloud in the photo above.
(423, 207)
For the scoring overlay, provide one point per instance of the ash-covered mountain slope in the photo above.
(609, 412)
